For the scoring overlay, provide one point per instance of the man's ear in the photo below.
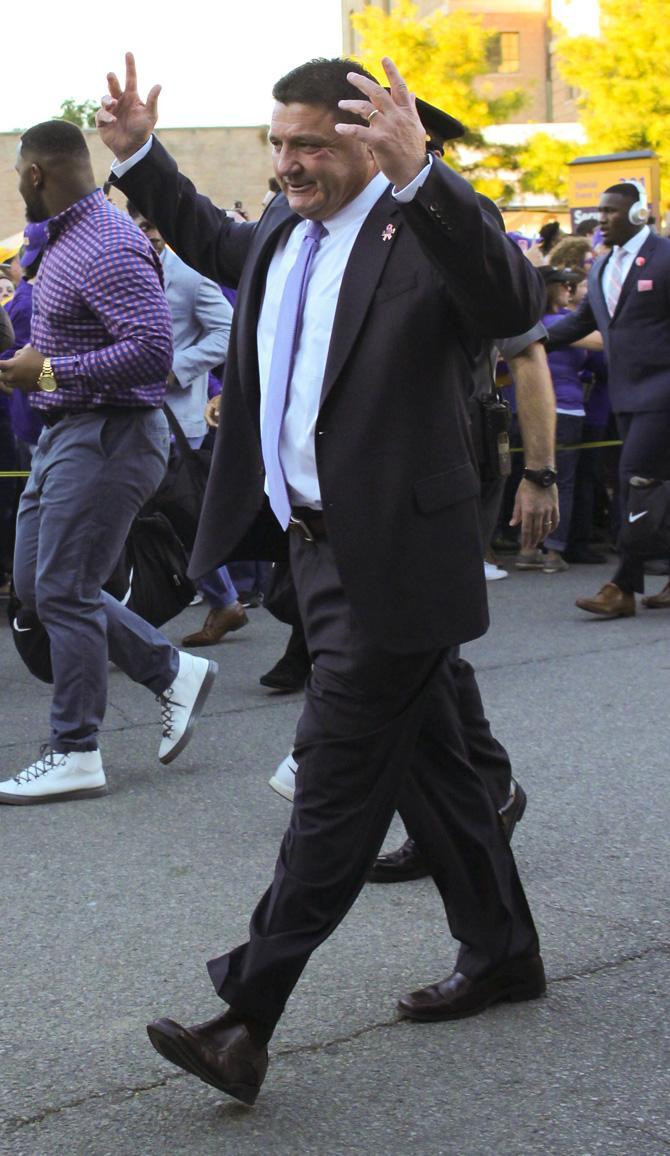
(36, 175)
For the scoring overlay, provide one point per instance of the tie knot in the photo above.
(315, 230)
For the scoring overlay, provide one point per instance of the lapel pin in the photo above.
(389, 232)
(640, 261)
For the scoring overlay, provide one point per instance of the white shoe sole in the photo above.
(63, 797)
(196, 711)
(281, 789)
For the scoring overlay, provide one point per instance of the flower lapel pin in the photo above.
(389, 232)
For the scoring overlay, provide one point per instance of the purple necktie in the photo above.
(287, 336)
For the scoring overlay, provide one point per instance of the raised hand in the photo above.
(395, 134)
(125, 122)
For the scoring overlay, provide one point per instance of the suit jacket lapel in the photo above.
(631, 278)
(361, 276)
(250, 298)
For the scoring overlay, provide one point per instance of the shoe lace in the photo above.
(47, 760)
(167, 706)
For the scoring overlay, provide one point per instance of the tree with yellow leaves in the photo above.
(441, 57)
(623, 79)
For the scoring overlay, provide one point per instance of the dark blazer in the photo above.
(637, 337)
(424, 284)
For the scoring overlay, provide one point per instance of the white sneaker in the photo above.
(55, 777)
(494, 573)
(283, 780)
(182, 703)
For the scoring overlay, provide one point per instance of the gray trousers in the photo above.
(91, 474)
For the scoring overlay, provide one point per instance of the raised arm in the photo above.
(197, 230)
(488, 279)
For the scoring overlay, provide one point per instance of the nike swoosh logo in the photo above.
(636, 517)
(20, 629)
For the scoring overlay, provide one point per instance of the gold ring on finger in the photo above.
(373, 114)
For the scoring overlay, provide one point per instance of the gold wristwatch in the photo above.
(47, 378)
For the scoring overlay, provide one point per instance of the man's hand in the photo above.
(125, 122)
(395, 134)
(212, 410)
(536, 511)
(21, 371)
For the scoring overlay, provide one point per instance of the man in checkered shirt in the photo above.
(96, 369)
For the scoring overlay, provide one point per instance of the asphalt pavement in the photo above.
(111, 907)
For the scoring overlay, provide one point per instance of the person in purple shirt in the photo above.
(565, 367)
(26, 421)
(96, 370)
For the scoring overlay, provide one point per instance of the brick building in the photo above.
(520, 53)
(227, 164)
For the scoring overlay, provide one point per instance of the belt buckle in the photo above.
(303, 527)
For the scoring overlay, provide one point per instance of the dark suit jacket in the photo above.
(637, 337)
(424, 284)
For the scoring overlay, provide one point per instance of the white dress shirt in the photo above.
(629, 252)
(296, 444)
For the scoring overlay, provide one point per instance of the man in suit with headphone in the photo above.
(629, 302)
(364, 292)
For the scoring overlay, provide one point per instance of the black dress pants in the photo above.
(646, 453)
(355, 745)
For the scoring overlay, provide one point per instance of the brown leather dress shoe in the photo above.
(660, 601)
(399, 866)
(610, 602)
(457, 996)
(219, 621)
(512, 812)
(219, 1052)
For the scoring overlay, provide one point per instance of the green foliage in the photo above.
(623, 79)
(442, 58)
(82, 114)
(543, 163)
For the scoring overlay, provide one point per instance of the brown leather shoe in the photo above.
(660, 601)
(220, 1052)
(457, 996)
(610, 602)
(399, 866)
(218, 622)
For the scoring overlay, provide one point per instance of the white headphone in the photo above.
(638, 214)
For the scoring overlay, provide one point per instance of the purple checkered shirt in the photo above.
(99, 311)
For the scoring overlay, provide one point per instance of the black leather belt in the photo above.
(310, 524)
(51, 417)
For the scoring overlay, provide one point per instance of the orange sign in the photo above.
(588, 177)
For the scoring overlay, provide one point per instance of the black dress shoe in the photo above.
(286, 675)
(399, 866)
(220, 1052)
(513, 810)
(457, 996)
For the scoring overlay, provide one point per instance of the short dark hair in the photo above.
(323, 81)
(589, 225)
(625, 189)
(133, 211)
(59, 140)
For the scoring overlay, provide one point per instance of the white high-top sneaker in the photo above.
(283, 780)
(55, 777)
(182, 703)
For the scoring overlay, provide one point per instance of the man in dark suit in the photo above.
(380, 490)
(629, 302)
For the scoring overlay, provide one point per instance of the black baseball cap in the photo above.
(552, 276)
(439, 126)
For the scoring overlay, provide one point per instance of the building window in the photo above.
(502, 52)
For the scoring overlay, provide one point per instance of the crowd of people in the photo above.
(360, 434)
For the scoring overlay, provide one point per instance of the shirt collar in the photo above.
(634, 243)
(56, 225)
(355, 211)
